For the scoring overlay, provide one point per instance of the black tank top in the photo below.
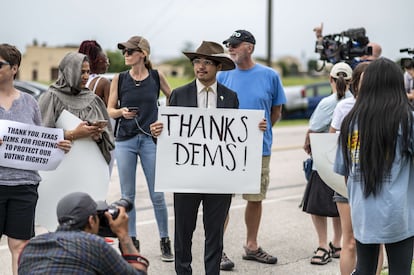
(144, 96)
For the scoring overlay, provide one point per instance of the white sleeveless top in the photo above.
(92, 77)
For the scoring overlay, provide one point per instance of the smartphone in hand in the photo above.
(134, 110)
(100, 123)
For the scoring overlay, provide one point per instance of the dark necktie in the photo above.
(207, 89)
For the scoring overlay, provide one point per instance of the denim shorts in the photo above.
(339, 198)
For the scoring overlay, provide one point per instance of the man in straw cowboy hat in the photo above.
(203, 92)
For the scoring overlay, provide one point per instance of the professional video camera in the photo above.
(344, 46)
(104, 229)
(406, 61)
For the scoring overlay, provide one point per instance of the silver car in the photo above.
(301, 100)
(33, 88)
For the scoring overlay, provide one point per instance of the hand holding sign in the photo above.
(208, 150)
(30, 147)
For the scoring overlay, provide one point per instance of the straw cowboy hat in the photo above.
(213, 51)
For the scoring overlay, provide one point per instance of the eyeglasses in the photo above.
(4, 63)
(205, 62)
(130, 51)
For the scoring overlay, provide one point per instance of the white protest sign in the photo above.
(323, 153)
(83, 169)
(29, 147)
(209, 150)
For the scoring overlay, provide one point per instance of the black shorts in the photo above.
(17, 211)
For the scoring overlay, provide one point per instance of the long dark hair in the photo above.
(356, 77)
(371, 128)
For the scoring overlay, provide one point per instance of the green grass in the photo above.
(296, 80)
(177, 81)
(292, 122)
(286, 81)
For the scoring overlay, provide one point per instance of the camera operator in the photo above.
(409, 79)
(376, 52)
(354, 56)
(75, 247)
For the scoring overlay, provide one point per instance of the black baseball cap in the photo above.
(75, 208)
(240, 36)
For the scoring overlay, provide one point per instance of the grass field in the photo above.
(286, 81)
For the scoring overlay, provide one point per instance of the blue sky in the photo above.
(170, 25)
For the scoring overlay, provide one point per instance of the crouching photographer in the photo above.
(76, 248)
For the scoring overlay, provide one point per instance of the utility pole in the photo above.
(269, 33)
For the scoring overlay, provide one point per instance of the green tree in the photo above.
(284, 67)
(117, 63)
(312, 65)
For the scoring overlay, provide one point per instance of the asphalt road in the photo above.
(285, 231)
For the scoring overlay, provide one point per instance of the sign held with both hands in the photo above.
(209, 150)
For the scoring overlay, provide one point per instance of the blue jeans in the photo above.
(126, 153)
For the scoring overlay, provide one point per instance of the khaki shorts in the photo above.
(264, 182)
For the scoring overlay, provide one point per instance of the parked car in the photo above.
(302, 100)
(33, 88)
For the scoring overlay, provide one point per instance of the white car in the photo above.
(296, 99)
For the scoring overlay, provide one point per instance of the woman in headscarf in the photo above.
(69, 93)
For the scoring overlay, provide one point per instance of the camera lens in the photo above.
(125, 203)
(114, 211)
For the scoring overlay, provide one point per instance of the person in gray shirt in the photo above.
(18, 187)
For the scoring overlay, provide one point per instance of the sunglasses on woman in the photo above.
(3, 63)
(129, 51)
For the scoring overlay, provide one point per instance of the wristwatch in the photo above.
(131, 258)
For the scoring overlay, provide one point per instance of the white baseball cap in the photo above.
(341, 68)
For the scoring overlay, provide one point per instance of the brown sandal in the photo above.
(323, 259)
(259, 255)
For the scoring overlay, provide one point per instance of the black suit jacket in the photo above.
(186, 96)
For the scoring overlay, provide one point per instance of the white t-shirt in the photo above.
(341, 110)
